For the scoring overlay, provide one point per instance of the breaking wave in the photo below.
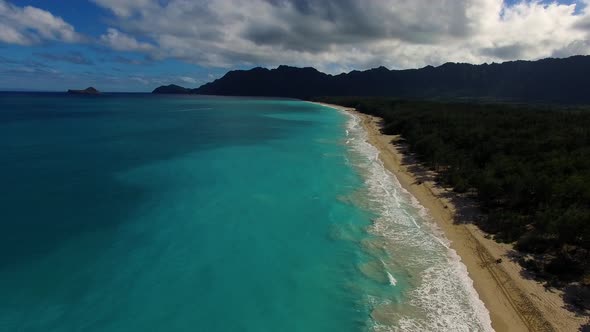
(438, 293)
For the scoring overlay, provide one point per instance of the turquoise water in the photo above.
(148, 213)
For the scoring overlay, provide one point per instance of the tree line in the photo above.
(528, 167)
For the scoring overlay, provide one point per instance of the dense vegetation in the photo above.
(546, 80)
(527, 166)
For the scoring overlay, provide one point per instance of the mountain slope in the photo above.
(548, 80)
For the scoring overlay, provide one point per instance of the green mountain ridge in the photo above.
(546, 80)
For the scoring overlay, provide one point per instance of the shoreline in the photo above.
(514, 303)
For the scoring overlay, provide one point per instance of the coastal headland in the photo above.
(515, 303)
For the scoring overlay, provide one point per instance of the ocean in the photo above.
(137, 212)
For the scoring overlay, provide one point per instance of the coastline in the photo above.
(514, 302)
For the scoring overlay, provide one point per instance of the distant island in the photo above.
(547, 80)
(87, 91)
(171, 89)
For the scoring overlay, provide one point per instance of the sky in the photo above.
(137, 45)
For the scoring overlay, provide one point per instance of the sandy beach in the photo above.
(515, 303)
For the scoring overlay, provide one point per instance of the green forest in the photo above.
(527, 166)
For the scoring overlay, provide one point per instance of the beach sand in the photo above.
(515, 303)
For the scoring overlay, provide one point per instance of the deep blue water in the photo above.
(137, 212)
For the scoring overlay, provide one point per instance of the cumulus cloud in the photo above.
(129, 7)
(344, 34)
(187, 79)
(122, 42)
(30, 25)
(161, 80)
(332, 35)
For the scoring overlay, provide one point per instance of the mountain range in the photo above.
(547, 80)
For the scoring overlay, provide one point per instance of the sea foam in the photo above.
(440, 295)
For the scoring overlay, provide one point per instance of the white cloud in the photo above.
(187, 79)
(122, 42)
(331, 35)
(344, 34)
(128, 7)
(30, 25)
(140, 80)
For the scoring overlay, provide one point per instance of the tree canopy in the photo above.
(527, 166)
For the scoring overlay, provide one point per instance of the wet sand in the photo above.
(515, 303)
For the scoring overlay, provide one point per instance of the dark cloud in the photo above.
(575, 48)
(514, 51)
(212, 33)
(583, 24)
(346, 33)
(70, 57)
(313, 26)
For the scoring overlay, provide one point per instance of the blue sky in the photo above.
(137, 45)
(57, 66)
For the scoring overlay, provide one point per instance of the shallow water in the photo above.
(140, 212)
(438, 294)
